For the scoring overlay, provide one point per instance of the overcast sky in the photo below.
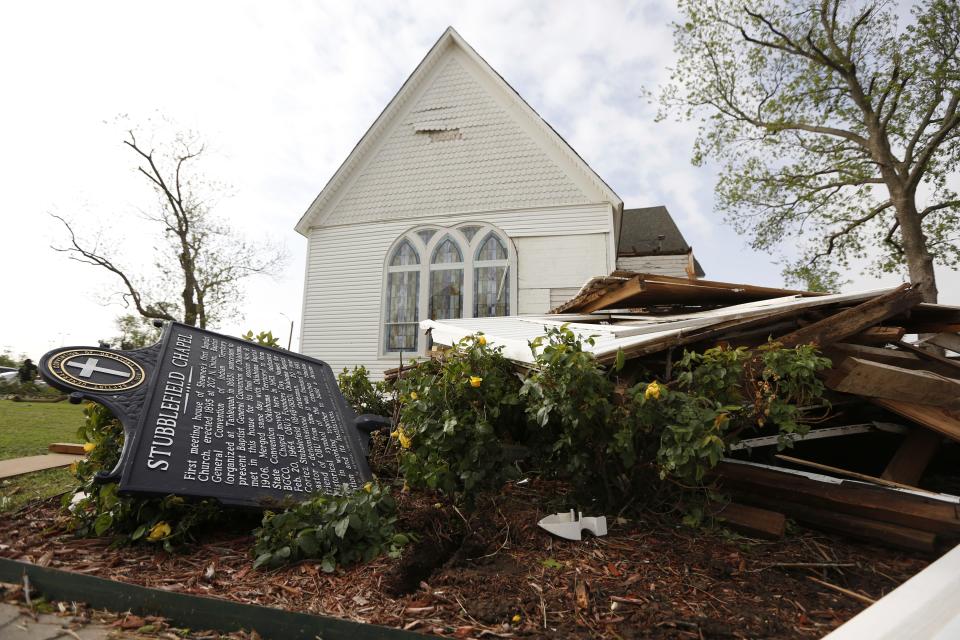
(282, 91)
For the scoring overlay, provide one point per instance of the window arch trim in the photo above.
(504, 295)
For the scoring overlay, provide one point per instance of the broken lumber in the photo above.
(942, 420)
(885, 533)
(854, 320)
(752, 521)
(879, 335)
(911, 509)
(948, 341)
(896, 357)
(878, 380)
(67, 447)
(913, 456)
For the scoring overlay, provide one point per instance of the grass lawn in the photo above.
(26, 428)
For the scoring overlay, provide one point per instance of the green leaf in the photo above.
(328, 565)
(551, 563)
(103, 522)
(341, 527)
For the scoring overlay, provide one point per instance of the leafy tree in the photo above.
(200, 262)
(136, 332)
(7, 360)
(830, 121)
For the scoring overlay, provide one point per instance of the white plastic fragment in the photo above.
(571, 526)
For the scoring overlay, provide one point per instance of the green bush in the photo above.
(336, 529)
(457, 413)
(583, 433)
(96, 509)
(722, 392)
(365, 396)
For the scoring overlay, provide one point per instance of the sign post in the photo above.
(214, 416)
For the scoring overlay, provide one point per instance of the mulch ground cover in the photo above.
(492, 572)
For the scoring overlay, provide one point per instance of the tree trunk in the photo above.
(919, 260)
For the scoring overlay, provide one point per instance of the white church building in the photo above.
(461, 201)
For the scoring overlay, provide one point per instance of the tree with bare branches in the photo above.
(200, 262)
(836, 129)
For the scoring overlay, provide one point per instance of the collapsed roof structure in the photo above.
(879, 468)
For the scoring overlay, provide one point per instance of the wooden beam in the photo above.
(944, 421)
(913, 510)
(852, 321)
(67, 447)
(913, 456)
(612, 297)
(837, 352)
(949, 341)
(879, 335)
(751, 521)
(930, 356)
(885, 533)
(878, 380)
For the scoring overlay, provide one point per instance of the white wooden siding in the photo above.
(559, 296)
(555, 262)
(660, 265)
(458, 146)
(343, 286)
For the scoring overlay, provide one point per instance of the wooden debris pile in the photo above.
(881, 466)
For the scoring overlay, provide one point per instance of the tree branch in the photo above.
(147, 311)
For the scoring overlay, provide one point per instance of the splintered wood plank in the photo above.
(942, 420)
(879, 380)
(913, 456)
(751, 521)
(852, 321)
(613, 297)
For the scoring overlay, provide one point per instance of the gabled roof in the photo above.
(651, 231)
(393, 110)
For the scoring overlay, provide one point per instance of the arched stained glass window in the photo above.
(466, 271)
(492, 249)
(446, 281)
(404, 254)
(491, 278)
(447, 252)
(403, 299)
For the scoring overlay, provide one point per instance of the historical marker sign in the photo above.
(209, 415)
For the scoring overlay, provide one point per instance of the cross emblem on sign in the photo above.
(90, 367)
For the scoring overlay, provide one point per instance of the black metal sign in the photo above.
(210, 415)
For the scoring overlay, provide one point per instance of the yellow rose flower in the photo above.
(475, 381)
(482, 340)
(401, 436)
(89, 446)
(516, 618)
(653, 391)
(413, 395)
(160, 531)
(368, 487)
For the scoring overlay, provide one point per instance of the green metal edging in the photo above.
(195, 612)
